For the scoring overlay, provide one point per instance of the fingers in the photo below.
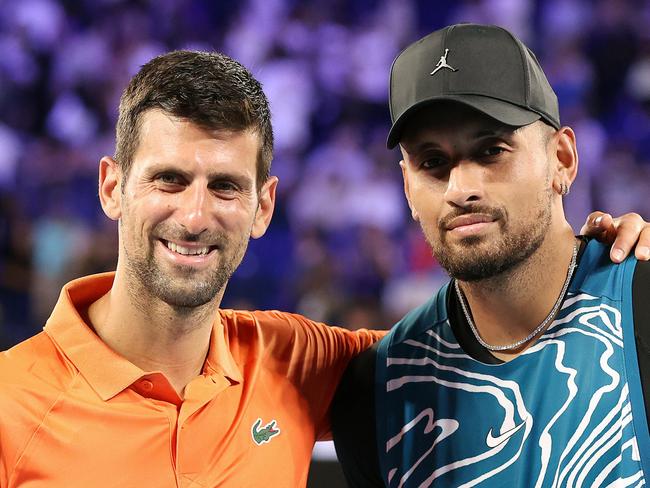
(642, 251)
(628, 228)
(600, 225)
(623, 233)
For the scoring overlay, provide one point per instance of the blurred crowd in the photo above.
(342, 247)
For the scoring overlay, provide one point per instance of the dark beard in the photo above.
(472, 262)
(201, 291)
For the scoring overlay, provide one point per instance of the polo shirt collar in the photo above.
(219, 359)
(107, 372)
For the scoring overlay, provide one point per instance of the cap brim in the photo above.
(504, 112)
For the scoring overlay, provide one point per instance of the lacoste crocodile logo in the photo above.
(265, 434)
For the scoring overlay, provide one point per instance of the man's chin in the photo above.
(483, 260)
(182, 286)
(187, 298)
(471, 258)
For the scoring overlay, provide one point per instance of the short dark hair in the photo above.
(209, 89)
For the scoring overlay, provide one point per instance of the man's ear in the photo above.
(265, 206)
(566, 159)
(414, 214)
(110, 191)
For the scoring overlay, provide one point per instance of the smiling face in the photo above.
(186, 209)
(482, 192)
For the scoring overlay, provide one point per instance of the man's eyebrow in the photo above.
(161, 167)
(421, 147)
(498, 132)
(224, 175)
(501, 132)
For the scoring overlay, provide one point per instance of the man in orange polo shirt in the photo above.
(139, 379)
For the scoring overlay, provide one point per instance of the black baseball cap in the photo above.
(482, 66)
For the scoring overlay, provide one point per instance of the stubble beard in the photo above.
(186, 289)
(475, 258)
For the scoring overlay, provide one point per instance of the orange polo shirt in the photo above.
(73, 413)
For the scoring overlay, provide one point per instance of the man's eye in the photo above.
(493, 151)
(224, 186)
(433, 163)
(169, 178)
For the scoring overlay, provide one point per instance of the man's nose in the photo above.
(465, 184)
(193, 211)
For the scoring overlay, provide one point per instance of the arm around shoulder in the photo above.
(313, 356)
(353, 420)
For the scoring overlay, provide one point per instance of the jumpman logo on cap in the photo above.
(443, 63)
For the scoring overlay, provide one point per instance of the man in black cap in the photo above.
(531, 367)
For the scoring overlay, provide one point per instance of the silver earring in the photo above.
(564, 189)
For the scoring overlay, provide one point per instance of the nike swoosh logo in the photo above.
(493, 441)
